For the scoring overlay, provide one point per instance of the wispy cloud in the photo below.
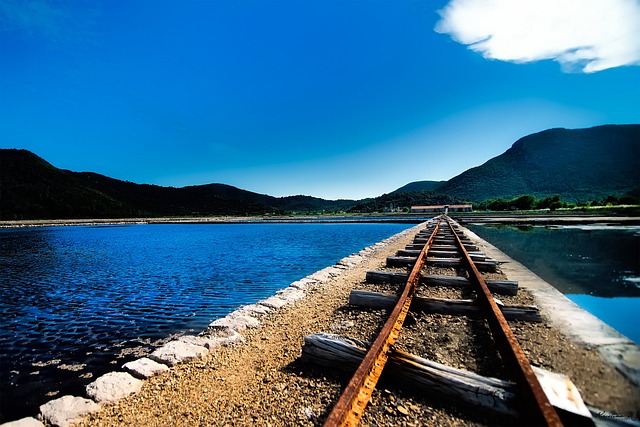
(582, 35)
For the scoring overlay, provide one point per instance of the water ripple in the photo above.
(90, 298)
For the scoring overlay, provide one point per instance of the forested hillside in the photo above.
(31, 188)
(577, 165)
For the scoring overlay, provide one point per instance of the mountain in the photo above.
(577, 165)
(419, 186)
(31, 188)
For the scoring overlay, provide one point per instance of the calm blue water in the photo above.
(597, 267)
(75, 301)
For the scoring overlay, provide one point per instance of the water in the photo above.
(77, 302)
(597, 267)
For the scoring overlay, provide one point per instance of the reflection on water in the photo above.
(77, 302)
(585, 260)
(597, 266)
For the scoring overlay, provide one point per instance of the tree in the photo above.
(524, 203)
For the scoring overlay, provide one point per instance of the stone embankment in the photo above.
(113, 386)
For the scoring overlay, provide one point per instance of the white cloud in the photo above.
(585, 35)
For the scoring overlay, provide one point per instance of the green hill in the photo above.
(577, 165)
(31, 188)
(419, 186)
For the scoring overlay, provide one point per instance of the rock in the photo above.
(199, 341)
(66, 410)
(144, 368)
(273, 302)
(23, 422)
(177, 351)
(303, 284)
(236, 321)
(290, 294)
(351, 261)
(402, 410)
(323, 275)
(222, 335)
(256, 309)
(113, 386)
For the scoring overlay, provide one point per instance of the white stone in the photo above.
(223, 335)
(23, 422)
(291, 294)
(351, 261)
(196, 340)
(144, 368)
(321, 276)
(66, 410)
(236, 321)
(177, 351)
(113, 386)
(333, 271)
(273, 302)
(256, 309)
(303, 284)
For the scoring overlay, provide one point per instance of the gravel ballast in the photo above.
(260, 379)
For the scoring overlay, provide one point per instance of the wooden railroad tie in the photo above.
(445, 382)
(456, 307)
(503, 287)
(407, 261)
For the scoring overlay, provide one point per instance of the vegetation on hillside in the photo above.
(34, 189)
(529, 202)
(403, 201)
(549, 170)
(578, 165)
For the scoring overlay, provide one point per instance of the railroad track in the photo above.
(442, 245)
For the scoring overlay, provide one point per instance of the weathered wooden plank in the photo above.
(440, 381)
(400, 261)
(457, 260)
(440, 254)
(408, 252)
(333, 351)
(466, 307)
(440, 237)
(445, 240)
(488, 265)
(472, 248)
(476, 256)
(504, 287)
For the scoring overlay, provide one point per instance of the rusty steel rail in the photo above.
(350, 406)
(535, 402)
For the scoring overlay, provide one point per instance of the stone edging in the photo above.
(113, 386)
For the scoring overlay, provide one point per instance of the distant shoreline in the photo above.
(502, 219)
(411, 219)
(481, 217)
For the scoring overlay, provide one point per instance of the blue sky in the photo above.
(334, 99)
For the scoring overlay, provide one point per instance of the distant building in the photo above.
(441, 208)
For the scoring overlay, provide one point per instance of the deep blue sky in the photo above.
(334, 99)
